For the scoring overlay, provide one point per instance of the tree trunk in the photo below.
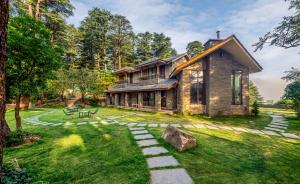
(17, 113)
(30, 12)
(82, 97)
(105, 62)
(4, 129)
(38, 9)
(99, 60)
(119, 60)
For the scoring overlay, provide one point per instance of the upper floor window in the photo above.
(236, 86)
(162, 71)
(197, 87)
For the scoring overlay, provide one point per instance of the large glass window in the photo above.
(148, 99)
(236, 85)
(197, 87)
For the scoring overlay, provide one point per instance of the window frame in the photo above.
(200, 96)
(233, 87)
(147, 100)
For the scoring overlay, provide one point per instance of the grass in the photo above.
(80, 154)
(223, 157)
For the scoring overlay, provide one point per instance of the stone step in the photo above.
(289, 135)
(139, 128)
(225, 128)
(170, 176)
(276, 126)
(188, 126)
(240, 129)
(176, 125)
(164, 125)
(255, 131)
(199, 126)
(153, 125)
(141, 125)
(137, 132)
(212, 127)
(270, 132)
(148, 142)
(274, 129)
(162, 161)
(131, 124)
(143, 136)
(279, 124)
(156, 150)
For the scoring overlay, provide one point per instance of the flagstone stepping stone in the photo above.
(199, 126)
(225, 127)
(156, 150)
(69, 124)
(270, 132)
(143, 136)
(163, 125)
(176, 125)
(188, 126)
(137, 132)
(277, 126)
(162, 161)
(137, 128)
(170, 176)
(81, 123)
(239, 129)
(274, 129)
(153, 125)
(141, 125)
(131, 124)
(148, 142)
(123, 123)
(289, 135)
(93, 122)
(212, 127)
(255, 131)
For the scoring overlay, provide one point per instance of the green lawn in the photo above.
(224, 157)
(80, 154)
(107, 153)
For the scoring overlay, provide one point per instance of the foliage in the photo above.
(16, 137)
(292, 90)
(194, 48)
(287, 34)
(15, 175)
(286, 103)
(61, 82)
(255, 108)
(254, 95)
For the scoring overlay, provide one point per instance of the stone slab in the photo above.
(176, 125)
(163, 125)
(212, 127)
(188, 126)
(199, 126)
(131, 124)
(170, 176)
(82, 123)
(225, 128)
(123, 123)
(270, 132)
(93, 122)
(240, 129)
(275, 129)
(137, 128)
(143, 136)
(137, 132)
(153, 125)
(255, 131)
(141, 125)
(292, 136)
(147, 142)
(156, 150)
(277, 126)
(161, 161)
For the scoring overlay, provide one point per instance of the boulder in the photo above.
(178, 138)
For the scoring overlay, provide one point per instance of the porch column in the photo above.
(116, 99)
(157, 100)
(157, 71)
(126, 99)
(140, 100)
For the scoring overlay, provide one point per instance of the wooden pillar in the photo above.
(140, 100)
(157, 71)
(126, 100)
(157, 100)
(116, 99)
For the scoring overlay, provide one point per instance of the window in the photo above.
(149, 73)
(162, 70)
(148, 99)
(197, 87)
(236, 85)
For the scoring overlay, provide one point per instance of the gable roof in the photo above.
(127, 69)
(149, 62)
(231, 45)
(175, 58)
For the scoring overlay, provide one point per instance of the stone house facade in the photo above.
(215, 82)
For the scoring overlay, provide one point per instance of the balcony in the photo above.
(145, 80)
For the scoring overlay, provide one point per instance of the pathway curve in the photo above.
(34, 120)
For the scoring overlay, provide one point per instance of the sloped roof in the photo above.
(149, 62)
(233, 46)
(175, 58)
(165, 85)
(125, 69)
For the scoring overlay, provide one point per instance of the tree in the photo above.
(72, 52)
(194, 48)
(292, 90)
(143, 50)
(95, 28)
(31, 59)
(61, 83)
(120, 38)
(287, 34)
(254, 95)
(4, 130)
(161, 46)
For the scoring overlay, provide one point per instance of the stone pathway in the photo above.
(164, 168)
(277, 127)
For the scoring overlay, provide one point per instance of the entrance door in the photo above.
(164, 99)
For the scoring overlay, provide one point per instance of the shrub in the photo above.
(255, 108)
(16, 138)
(13, 174)
(93, 101)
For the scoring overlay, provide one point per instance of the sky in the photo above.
(189, 20)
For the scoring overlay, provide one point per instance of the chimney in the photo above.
(218, 34)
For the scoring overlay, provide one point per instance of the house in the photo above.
(215, 82)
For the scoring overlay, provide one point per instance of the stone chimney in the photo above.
(213, 41)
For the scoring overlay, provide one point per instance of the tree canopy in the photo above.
(194, 48)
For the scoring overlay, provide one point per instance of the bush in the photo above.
(15, 138)
(255, 108)
(93, 101)
(13, 174)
